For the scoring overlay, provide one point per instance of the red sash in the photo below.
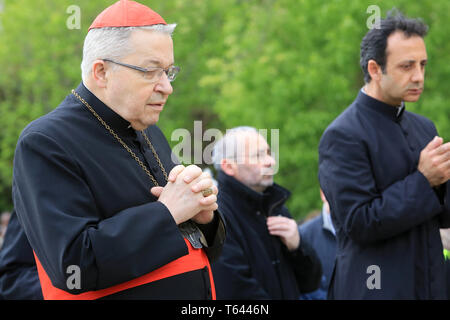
(194, 260)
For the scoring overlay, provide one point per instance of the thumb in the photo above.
(156, 191)
(433, 144)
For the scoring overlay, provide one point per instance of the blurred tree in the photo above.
(291, 65)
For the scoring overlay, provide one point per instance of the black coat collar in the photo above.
(389, 111)
(116, 122)
(273, 197)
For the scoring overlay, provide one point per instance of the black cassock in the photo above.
(19, 278)
(386, 214)
(83, 200)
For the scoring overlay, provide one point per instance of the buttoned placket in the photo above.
(415, 149)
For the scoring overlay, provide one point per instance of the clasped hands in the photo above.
(183, 196)
(434, 162)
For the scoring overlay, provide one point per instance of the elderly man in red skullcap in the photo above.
(106, 210)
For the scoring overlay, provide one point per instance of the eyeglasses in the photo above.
(254, 157)
(152, 74)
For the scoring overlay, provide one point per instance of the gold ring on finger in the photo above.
(207, 192)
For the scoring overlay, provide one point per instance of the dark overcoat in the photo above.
(386, 214)
(254, 264)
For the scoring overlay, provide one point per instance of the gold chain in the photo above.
(155, 155)
(124, 144)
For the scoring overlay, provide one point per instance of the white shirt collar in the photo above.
(327, 223)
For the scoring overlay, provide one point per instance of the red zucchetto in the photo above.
(125, 13)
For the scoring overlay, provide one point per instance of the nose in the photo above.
(163, 85)
(269, 161)
(418, 75)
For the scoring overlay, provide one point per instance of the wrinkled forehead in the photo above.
(254, 142)
(401, 47)
(152, 48)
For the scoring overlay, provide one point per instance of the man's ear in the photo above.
(99, 73)
(229, 167)
(374, 70)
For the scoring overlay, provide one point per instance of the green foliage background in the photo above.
(291, 65)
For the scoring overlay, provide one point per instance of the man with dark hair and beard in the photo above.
(385, 173)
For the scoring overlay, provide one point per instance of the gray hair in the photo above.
(112, 43)
(229, 146)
